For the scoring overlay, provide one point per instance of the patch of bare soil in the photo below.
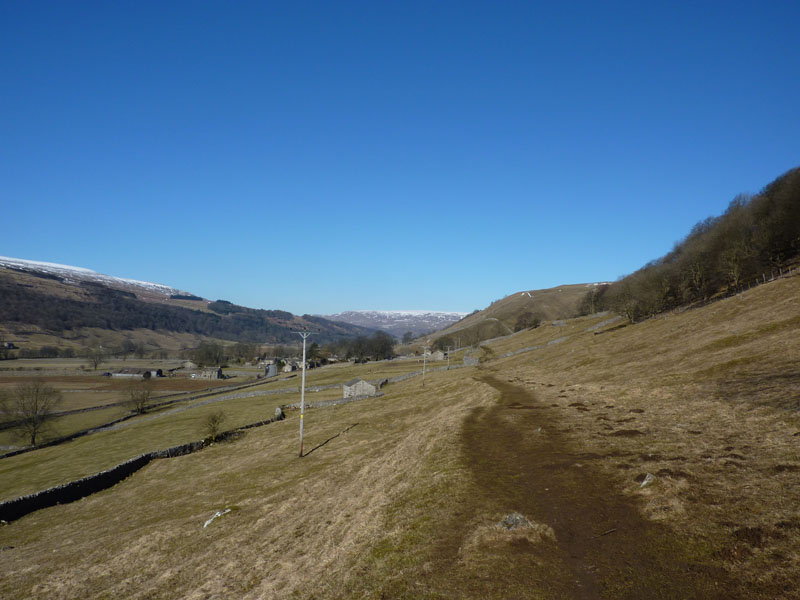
(583, 537)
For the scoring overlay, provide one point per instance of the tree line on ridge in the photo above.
(756, 237)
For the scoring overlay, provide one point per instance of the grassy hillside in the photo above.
(502, 316)
(403, 496)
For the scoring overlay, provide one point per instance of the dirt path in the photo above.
(602, 547)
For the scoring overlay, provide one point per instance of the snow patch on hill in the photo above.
(72, 274)
(398, 322)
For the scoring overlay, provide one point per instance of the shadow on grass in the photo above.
(318, 446)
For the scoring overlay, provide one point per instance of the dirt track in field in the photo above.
(602, 546)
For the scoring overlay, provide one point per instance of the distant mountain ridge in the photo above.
(63, 303)
(399, 322)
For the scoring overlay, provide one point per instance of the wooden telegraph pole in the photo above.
(304, 335)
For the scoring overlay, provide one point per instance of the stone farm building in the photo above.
(212, 373)
(138, 373)
(357, 388)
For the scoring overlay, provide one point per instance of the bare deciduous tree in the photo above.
(139, 398)
(31, 406)
(96, 356)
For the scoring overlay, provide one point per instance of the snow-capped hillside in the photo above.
(75, 274)
(399, 322)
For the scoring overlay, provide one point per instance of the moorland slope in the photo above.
(515, 312)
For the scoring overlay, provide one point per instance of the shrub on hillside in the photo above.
(527, 320)
(213, 425)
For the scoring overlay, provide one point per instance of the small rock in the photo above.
(216, 515)
(515, 521)
(279, 416)
(649, 479)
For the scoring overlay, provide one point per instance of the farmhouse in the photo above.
(438, 355)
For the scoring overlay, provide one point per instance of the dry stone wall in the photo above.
(80, 488)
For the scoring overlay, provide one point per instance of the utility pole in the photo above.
(304, 335)
(424, 357)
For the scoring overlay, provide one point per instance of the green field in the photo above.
(176, 424)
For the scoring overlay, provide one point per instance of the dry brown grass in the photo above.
(704, 400)
(491, 537)
(555, 303)
(298, 527)
(707, 401)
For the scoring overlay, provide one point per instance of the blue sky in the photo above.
(325, 156)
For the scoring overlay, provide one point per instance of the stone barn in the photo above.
(212, 373)
(358, 387)
(139, 373)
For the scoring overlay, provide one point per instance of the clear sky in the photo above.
(325, 156)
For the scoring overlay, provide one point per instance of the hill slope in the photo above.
(49, 303)
(756, 238)
(69, 274)
(503, 316)
(403, 496)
